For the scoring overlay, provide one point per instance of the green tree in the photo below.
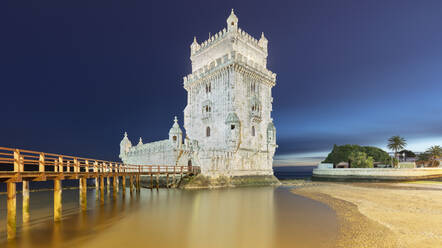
(423, 157)
(342, 153)
(434, 152)
(408, 153)
(396, 143)
(360, 160)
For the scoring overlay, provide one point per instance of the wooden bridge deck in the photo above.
(22, 166)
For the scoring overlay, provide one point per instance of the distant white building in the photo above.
(228, 114)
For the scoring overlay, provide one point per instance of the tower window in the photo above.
(253, 130)
(174, 138)
(208, 88)
(232, 127)
(207, 131)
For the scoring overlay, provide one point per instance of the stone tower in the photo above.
(229, 103)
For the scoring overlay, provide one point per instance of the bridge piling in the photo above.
(131, 184)
(57, 200)
(123, 184)
(83, 194)
(101, 189)
(117, 188)
(151, 181)
(108, 185)
(12, 210)
(97, 187)
(25, 206)
(158, 180)
(137, 178)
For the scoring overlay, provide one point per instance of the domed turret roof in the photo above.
(140, 142)
(232, 21)
(232, 118)
(175, 127)
(125, 140)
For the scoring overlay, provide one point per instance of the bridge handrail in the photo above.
(21, 157)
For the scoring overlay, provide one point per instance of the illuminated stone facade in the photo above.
(228, 114)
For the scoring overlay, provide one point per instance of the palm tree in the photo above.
(396, 143)
(435, 153)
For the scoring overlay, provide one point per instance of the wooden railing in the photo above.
(16, 164)
(23, 166)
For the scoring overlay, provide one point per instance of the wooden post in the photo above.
(86, 166)
(76, 166)
(83, 194)
(41, 163)
(123, 184)
(97, 185)
(55, 165)
(12, 210)
(151, 179)
(131, 184)
(108, 184)
(102, 189)
(57, 200)
(114, 182)
(60, 164)
(173, 177)
(118, 183)
(25, 207)
(158, 180)
(17, 161)
(138, 182)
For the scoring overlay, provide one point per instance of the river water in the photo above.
(235, 217)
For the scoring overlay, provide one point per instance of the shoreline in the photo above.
(381, 214)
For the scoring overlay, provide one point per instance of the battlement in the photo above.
(239, 34)
(223, 62)
(228, 39)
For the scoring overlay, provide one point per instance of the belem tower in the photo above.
(227, 121)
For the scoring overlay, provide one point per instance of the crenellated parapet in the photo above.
(231, 61)
(228, 40)
(239, 34)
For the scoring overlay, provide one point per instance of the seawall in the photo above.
(376, 174)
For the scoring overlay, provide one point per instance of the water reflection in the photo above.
(242, 217)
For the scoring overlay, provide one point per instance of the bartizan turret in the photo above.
(125, 145)
(176, 134)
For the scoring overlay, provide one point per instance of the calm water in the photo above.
(239, 217)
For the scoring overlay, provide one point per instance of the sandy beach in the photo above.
(382, 214)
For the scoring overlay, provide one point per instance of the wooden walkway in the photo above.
(23, 166)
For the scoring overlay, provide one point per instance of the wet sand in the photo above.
(382, 214)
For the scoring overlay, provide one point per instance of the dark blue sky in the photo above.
(75, 75)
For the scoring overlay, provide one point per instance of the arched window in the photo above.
(174, 138)
(207, 131)
(253, 130)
